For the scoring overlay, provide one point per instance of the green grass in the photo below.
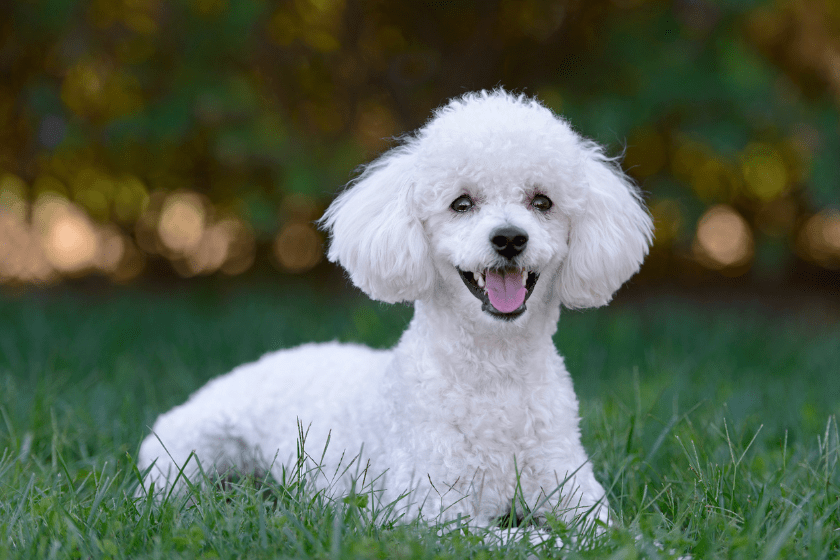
(713, 429)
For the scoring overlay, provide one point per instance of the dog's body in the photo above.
(493, 203)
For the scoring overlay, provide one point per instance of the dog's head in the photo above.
(493, 200)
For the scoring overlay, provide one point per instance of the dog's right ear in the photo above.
(375, 234)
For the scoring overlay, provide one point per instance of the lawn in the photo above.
(713, 427)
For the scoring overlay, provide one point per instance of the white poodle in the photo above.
(488, 218)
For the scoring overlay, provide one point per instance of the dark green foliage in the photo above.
(259, 106)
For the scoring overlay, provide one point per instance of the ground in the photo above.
(709, 419)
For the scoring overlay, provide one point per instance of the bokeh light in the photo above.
(241, 248)
(111, 249)
(68, 237)
(723, 239)
(181, 223)
(819, 239)
(298, 247)
(210, 252)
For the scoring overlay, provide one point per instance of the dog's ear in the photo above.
(376, 236)
(609, 239)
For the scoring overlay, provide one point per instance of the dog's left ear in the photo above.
(376, 236)
(609, 240)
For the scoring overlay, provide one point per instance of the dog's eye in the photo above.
(542, 203)
(462, 204)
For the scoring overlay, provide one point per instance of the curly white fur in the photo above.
(474, 406)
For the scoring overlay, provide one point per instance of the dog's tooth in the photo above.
(524, 277)
(479, 278)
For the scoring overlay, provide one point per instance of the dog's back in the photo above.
(235, 422)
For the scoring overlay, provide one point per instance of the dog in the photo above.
(488, 218)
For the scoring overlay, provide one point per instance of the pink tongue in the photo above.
(505, 290)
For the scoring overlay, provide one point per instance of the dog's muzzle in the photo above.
(502, 292)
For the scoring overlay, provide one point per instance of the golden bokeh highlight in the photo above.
(192, 238)
(184, 228)
(723, 239)
(241, 248)
(68, 236)
(112, 248)
(22, 258)
(297, 248)
(226, 245)
(60, 239)
(47, 207)
(182, 221)
(819, 239)
(210, 252)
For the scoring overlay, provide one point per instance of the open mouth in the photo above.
(502, 292)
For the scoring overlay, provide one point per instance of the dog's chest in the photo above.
(479, 423)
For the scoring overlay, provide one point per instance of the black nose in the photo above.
(509, 241)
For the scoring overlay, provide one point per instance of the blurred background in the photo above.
(150, 140)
